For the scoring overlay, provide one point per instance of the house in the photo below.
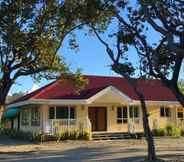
(106, 104)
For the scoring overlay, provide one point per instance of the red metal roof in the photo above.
(153, 90)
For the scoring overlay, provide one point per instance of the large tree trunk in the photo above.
(4, 89)
(147, 131)
(2, 109)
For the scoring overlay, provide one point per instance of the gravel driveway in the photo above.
(88, 151)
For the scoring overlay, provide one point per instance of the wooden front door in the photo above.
(98, 118)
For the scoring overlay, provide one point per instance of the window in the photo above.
(35, 116)
(165, 112)
(25, 117)
(134, 112)
(122, 115)
(180, 114)
(72, 113)
(59, 112)
(51, 113)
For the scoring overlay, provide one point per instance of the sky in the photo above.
(91, 58)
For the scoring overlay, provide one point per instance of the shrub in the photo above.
(40, 137)
(72, 135)
(173, 131)
(28, 136)
(159, 132)
(83, 135)
(169, 130)
(62, 136)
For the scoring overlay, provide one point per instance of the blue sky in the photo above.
(91, 58)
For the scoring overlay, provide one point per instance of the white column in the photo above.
(68, 116)
(128, 112)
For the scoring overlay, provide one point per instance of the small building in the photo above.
(106, 104)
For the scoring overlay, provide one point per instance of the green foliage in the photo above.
(173, 131)
(72, 135)
(169, 130)
(32, 32)
(40, 137)
(17, 134)
(84, 135)
(159, 132)
(27, 136)
(181, 86)
(123, 68)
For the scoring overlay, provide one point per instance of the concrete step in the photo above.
(115, 136)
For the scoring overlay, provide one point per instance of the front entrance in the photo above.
(98, 118)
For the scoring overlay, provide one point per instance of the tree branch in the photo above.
(108, 49)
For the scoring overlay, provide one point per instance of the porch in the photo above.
(93, 118)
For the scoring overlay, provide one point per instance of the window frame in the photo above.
(25, 118)
(69, 108)
(180, 110)
(133, 116)
(165, 113)
(35, 116)
(122, 119)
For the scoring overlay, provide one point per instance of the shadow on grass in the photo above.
(85, 154)
(88, 154)
(7, 141)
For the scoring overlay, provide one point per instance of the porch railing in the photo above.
(54, 126)
(134, 125)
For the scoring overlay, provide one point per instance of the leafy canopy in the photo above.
(32, 31)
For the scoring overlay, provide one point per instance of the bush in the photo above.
(40, 137)
(173, 131)
(83, 135)
(159, 132)
(169, 130)
(73, 135)
(28, 136)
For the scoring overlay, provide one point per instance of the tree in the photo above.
(162, 58)
(31, 33)
(125, 69)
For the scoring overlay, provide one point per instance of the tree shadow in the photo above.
(7, 141)
(80, 154)
(90, 154)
